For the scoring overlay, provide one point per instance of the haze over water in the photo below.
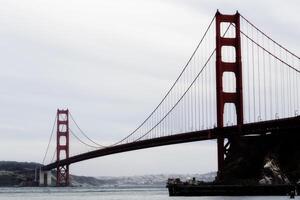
(104, 194)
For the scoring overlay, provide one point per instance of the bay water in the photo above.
(73, 193)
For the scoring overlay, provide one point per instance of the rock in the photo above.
(271, 173)
(268, 159)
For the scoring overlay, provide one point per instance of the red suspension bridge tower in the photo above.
(235, 67)
(62, 147)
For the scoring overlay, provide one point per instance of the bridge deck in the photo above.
(246, 129)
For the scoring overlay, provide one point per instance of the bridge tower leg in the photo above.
(62, 147)
(236, 67)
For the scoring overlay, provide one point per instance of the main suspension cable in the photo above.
(82, 132)
(276, 57)
(269, 37)
(180, 97)
(50, 139)
(192, 83)
(53, 156)
(96, 147)
(169, 91)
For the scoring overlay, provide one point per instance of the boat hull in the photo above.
(230, 190)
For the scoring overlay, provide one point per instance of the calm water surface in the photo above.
(103, 194)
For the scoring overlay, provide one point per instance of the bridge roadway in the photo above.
(258, 128)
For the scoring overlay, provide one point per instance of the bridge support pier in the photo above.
(45, 178)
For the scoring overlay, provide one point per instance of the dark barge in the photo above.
(195, 188)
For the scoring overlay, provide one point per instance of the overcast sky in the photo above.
(110, 63)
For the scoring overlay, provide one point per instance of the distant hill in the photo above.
(23, 174)
(14, 173)
(17, 173)
(18, 166)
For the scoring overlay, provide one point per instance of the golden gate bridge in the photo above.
(237, 82)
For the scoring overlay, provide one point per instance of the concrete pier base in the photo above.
(45, 178)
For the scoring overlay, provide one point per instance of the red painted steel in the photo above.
(62, 173)
(236, 67)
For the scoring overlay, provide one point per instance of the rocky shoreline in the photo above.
(270, 159)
